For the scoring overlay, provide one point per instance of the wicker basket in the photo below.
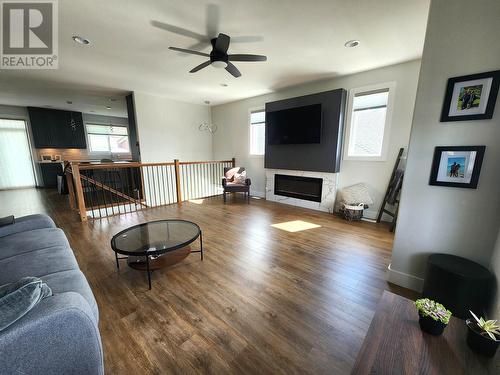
(353, 212)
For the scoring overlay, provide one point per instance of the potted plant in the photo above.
(483, 336)
(433, 316)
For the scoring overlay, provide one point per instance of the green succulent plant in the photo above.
(489, 327)
(435, 310)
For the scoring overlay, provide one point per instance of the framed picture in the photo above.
(46, 157)
(57, 157)
(471, 97)
(457, 166)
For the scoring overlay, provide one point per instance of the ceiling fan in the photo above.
(219, 58)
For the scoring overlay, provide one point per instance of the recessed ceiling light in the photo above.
(81, 40)
(108, 107)
(351, 43)
(224, 84)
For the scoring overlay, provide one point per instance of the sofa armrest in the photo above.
(25, 223)
(248, 182)
(59, 336)
(224, 181)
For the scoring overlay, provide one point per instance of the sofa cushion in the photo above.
(72, 281)
(25, 242)
(26, 223)
(37, 263)
(18, 298)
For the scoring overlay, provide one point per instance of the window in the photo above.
(16, 166)
(108, 138)
(369, 119)
(257, 132)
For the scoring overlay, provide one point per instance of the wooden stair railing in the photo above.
(128, 187)
(113, 191)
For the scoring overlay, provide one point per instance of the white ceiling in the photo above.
(303, 40)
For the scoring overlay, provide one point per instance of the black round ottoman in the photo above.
(458, 283)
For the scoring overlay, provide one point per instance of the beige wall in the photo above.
(168, 129)
(434, 219)
(232, 137)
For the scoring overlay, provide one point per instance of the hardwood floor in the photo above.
(263, 300)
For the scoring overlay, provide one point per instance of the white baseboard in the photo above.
(405, 280)
(370, 214)
(259, 194)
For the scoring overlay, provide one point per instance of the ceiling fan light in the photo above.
(219, 64)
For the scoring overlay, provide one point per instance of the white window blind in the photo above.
(368, 118)
(16, 165)
(257, 132)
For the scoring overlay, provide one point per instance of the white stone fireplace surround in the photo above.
(328, 193)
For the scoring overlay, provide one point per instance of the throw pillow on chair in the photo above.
(240, 178)
(230, 174)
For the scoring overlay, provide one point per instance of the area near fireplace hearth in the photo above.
(302, 191)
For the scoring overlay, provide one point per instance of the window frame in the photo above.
(250, 111)
(106, 152)
(391, 87)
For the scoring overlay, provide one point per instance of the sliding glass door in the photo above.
(16, 164)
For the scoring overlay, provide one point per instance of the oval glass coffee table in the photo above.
(145, 244)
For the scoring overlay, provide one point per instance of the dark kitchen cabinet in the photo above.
(57, 129)
(49, 174)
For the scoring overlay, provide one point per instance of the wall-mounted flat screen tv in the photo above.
(297, 125)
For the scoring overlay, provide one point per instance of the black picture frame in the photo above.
(491, 100)
(436, 162)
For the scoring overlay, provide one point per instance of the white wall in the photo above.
(433, 219)
(168, 129)
(232, 119)
(495, 268)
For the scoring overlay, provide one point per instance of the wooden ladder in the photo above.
(383, 209)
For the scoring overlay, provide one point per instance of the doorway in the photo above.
(16, 163)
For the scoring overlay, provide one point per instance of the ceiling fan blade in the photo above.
(200, 45)
(222, 43)
(246, 57)
(246, 39)
(178, 30)
(213, 20)
(189, 51)
(201, 66)
(233, 70)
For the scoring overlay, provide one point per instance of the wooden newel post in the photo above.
(71, 189)
(178, 181)
(80, 200)
(233, 160)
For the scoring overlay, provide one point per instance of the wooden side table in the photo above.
(395, 344)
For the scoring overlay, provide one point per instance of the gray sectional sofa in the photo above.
(60, 334)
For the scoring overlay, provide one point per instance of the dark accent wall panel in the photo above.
(132, 129)
(321, 157)
(54, 128)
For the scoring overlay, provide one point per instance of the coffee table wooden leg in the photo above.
(149, 272)
(117, 263)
